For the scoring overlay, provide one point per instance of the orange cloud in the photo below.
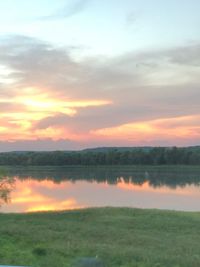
(32, 105)
(168, 128)
(42, 82)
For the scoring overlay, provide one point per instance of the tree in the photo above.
(6, 186)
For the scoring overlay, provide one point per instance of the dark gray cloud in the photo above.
(188, 55)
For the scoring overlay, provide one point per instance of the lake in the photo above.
(60, 188)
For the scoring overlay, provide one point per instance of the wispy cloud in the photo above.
(131, 18)
(69, 10)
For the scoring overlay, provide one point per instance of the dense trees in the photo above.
(114, 156)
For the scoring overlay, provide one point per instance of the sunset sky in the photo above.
(88, 73)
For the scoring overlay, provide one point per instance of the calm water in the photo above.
(34, 189)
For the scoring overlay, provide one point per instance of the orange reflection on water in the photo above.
(32, 195)
(65, 205)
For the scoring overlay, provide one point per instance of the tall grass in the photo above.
(118, 236)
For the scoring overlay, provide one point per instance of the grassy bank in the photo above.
(119, 236)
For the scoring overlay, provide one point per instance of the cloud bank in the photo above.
(149, 97)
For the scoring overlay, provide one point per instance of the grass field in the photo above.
(119, 236)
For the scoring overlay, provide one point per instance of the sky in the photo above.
(90, 73)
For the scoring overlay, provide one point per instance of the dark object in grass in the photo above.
(39, 251)
(88, 262)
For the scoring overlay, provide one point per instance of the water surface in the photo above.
(39, 189)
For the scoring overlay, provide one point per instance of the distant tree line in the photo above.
(115, 156)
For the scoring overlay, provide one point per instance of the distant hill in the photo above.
(107, 149)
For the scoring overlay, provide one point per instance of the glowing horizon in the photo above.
(131, 79)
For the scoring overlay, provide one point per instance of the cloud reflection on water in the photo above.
(32, 195)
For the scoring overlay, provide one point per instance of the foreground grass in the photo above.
(119, 236)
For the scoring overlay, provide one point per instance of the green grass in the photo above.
(119, 236)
